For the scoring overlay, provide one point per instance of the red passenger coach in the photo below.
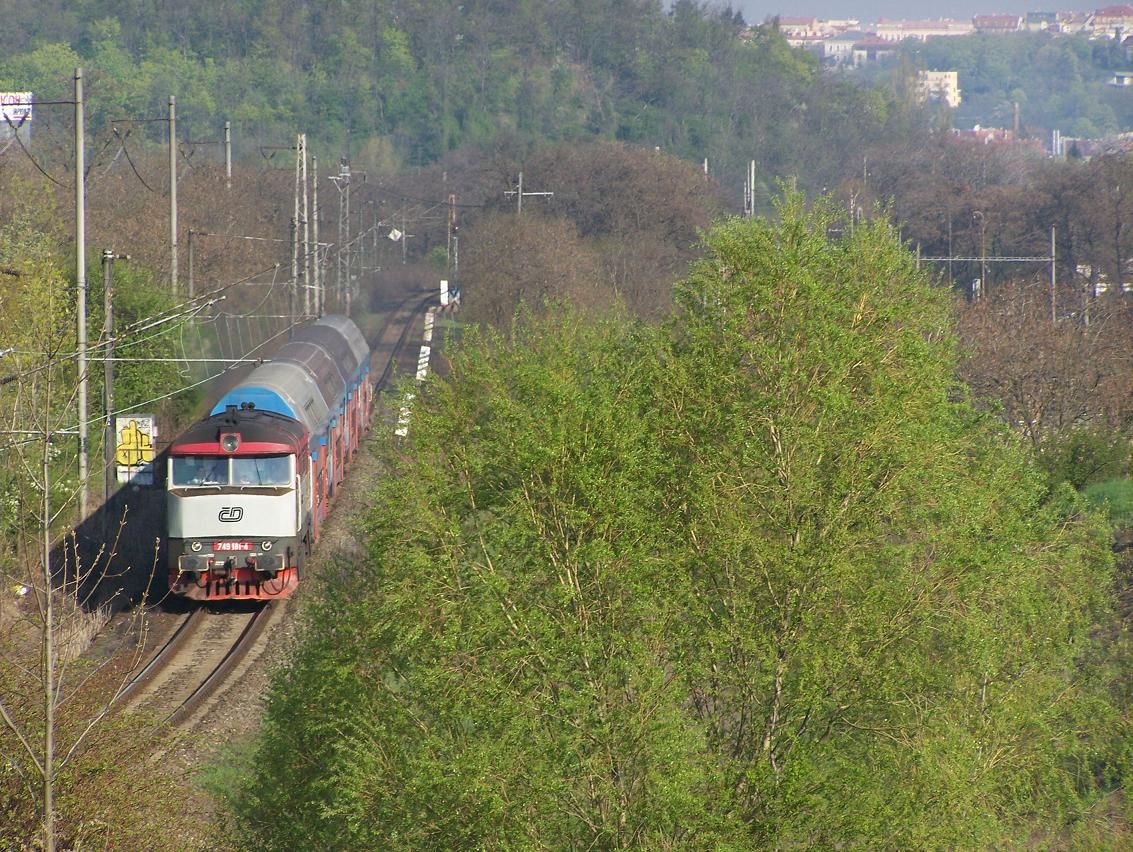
(249, 486)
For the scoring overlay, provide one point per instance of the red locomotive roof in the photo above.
(261, 433)
(246, 448)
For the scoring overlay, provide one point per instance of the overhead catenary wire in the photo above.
(130, 160)
(180, 311)
(94, 421)
(34, 161)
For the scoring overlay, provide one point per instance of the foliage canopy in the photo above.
(757, 577)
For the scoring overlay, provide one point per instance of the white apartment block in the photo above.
(939, 85)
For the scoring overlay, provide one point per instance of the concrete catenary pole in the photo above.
(306, 230)
(228, 155)
(108, 368)
(318, 279)
(346, 245)
(81, 286)
(1053, 277)
(173, 193)
(295, 232)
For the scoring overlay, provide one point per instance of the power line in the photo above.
(130, 160)
(23, 147)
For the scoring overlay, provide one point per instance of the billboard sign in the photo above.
(15, 107)
(135, 436)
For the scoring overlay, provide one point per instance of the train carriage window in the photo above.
(199, 470)
(262, 470)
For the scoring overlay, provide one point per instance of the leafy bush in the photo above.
(1115, 497)
(746, 580)
(1085, 456)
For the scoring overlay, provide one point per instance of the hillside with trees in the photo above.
(401, 84)
(1060, 82)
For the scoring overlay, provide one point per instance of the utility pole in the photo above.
(519, 193)
(979, 217)
(108, 258)
(456, 255)
(81, 309)
(295, 236)
(749, 191)
(349, 291)
(228, 155)
(306, 230)
(1053, 278)
(361, 239)
(404, 237)
(950, 278)
(342, 183)
(451, 228)
(173, 193)
(983, 256)
(318, 279)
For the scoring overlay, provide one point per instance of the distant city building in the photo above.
(997, 24)
(1074, 22)
(839, 49)
(1040, 21)
(791, 26)
(1078, 148)
(923, 30)
(872, 49)
(941, 86)
(1112, 21)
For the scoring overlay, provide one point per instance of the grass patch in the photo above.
(1115, 497)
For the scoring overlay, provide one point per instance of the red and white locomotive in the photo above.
(248, 487)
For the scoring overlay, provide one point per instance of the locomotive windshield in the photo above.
(189, 471)
(261, 470)
(199, 470)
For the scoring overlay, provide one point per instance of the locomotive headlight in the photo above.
(265, 545)
(195, 547)
(229, 441)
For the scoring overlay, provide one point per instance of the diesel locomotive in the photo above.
(248, 487)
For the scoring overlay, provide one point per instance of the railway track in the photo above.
(202, 652)
(393, 337)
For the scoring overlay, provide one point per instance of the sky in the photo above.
(756, 11)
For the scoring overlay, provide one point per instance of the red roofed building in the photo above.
(923, 30)
(1113, 21)
(797, 27)
(997, 24)
(872, 49)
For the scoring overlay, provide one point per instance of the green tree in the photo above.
(883, 649)
(70, 776)
(752, 578)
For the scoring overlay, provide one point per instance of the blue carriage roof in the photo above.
(310, 377)
(265, 399)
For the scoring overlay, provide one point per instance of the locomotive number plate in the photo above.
(230, 546)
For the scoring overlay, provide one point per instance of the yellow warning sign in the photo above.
(134, 448)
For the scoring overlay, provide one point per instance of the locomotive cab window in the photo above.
(189, 471)
(272, 471)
